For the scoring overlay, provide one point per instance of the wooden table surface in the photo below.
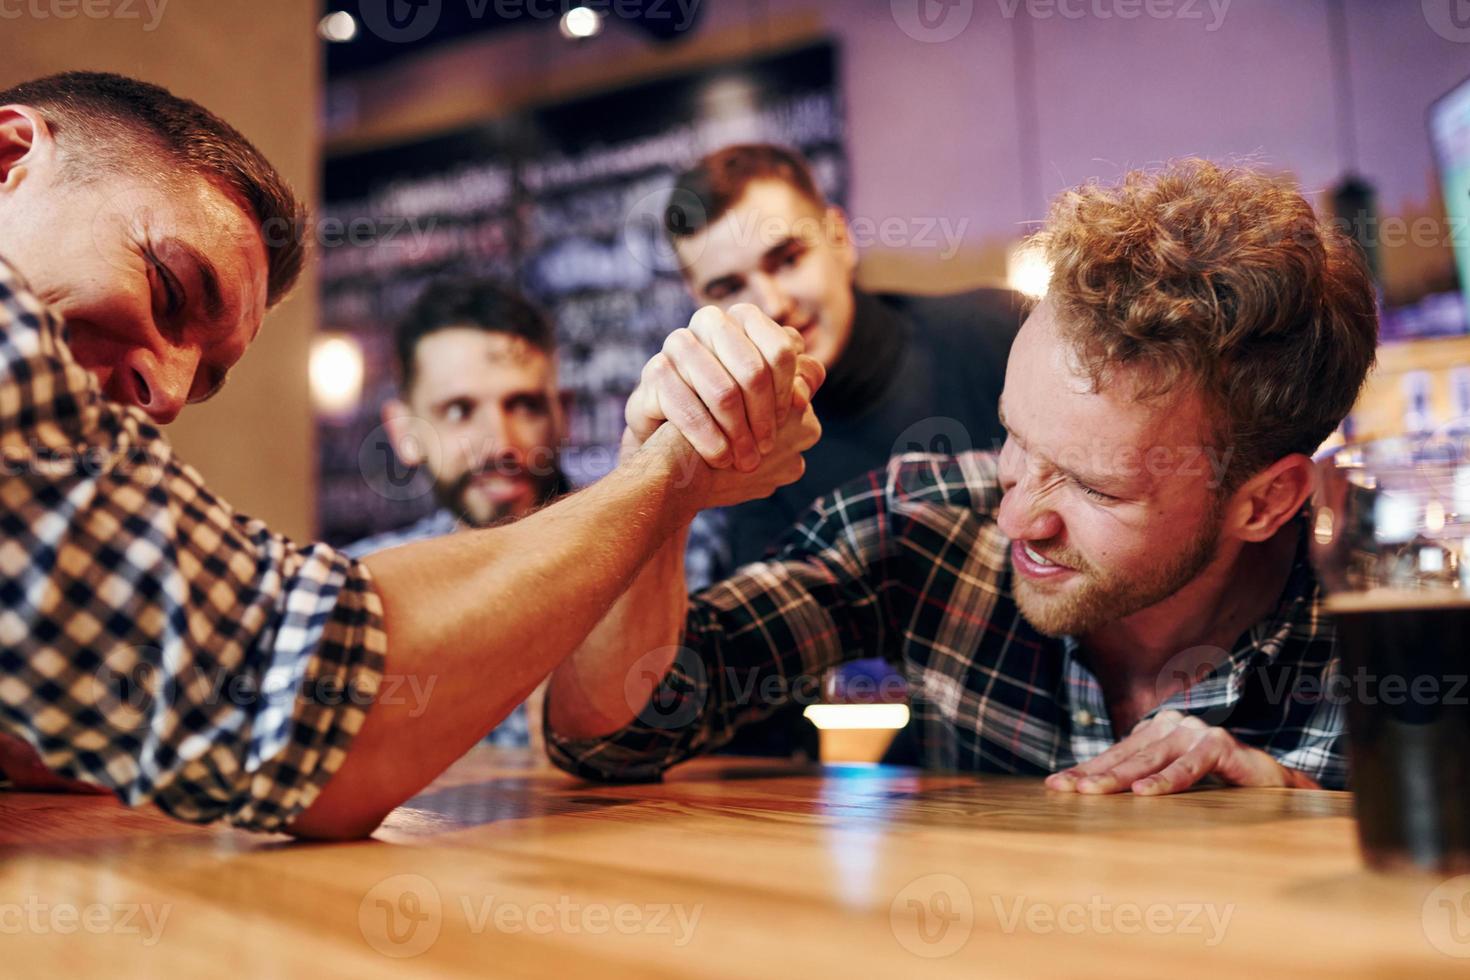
(731, 868)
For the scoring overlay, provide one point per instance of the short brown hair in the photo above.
(119, 123)
(703, 193)
(1224, 279)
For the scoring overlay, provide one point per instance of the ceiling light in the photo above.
(1027, 271)
(337, 27)
(580, 23)
(336, 374)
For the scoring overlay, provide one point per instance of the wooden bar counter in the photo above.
(729, 868)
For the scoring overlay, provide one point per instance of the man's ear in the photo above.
(407, 444)
(565, 401)
(686, 251)
(841, 237)
(24, 137)
(1266, 501)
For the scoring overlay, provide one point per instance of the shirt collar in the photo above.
(1300, 607)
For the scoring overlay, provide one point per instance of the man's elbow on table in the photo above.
(374, 779)
(337, 821)
(357, 799)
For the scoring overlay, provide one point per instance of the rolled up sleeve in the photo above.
(152, 640)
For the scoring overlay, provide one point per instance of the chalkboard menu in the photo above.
(565, 203)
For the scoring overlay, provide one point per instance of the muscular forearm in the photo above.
(485, 617)
(601, 687)
(475, 621)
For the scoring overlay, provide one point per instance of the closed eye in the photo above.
(1095, 494)
(173, 291)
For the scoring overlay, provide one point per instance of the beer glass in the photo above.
(1391, 546)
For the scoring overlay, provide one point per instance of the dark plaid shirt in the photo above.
(907, 563)
(152, 640)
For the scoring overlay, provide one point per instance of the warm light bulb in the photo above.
(336, 374)
(581, 22)
(337, 27)
(1027, 271)
(830, 716)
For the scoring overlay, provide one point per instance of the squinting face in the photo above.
(1108, 499)
(162, 285)
(491, 406)
(789, 256)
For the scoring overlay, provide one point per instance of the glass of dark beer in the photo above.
(1391, 546)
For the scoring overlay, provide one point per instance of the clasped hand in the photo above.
(738, 387)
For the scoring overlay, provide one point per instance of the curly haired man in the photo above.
(1119, 599)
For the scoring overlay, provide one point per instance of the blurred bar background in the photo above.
(534, 141)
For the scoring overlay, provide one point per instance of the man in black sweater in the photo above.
(905, 373)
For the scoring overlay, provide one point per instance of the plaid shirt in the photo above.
(153, 641)
(908, 564)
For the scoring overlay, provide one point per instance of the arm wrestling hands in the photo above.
(757, 385)
(738, 387)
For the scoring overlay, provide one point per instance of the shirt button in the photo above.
(1083, 718)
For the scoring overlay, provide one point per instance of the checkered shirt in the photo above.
(152, 640)
(907, 563)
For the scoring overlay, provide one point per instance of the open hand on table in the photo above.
(1171, 752)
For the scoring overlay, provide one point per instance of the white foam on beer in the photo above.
(1386, 599)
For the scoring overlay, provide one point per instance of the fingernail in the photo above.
(1102, 782)
(767, 444)
(1146, 786)
(748, 461)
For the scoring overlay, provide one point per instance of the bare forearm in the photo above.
(601, 687)
(475, 621)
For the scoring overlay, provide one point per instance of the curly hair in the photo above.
(1224, 280)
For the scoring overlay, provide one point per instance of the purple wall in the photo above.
(933, 127)
(938, 131)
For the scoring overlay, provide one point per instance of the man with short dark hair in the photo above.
(157, 644)
(478, 407)
(480, 411)
(1121, 597)
(209, 236)
(749, 224)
